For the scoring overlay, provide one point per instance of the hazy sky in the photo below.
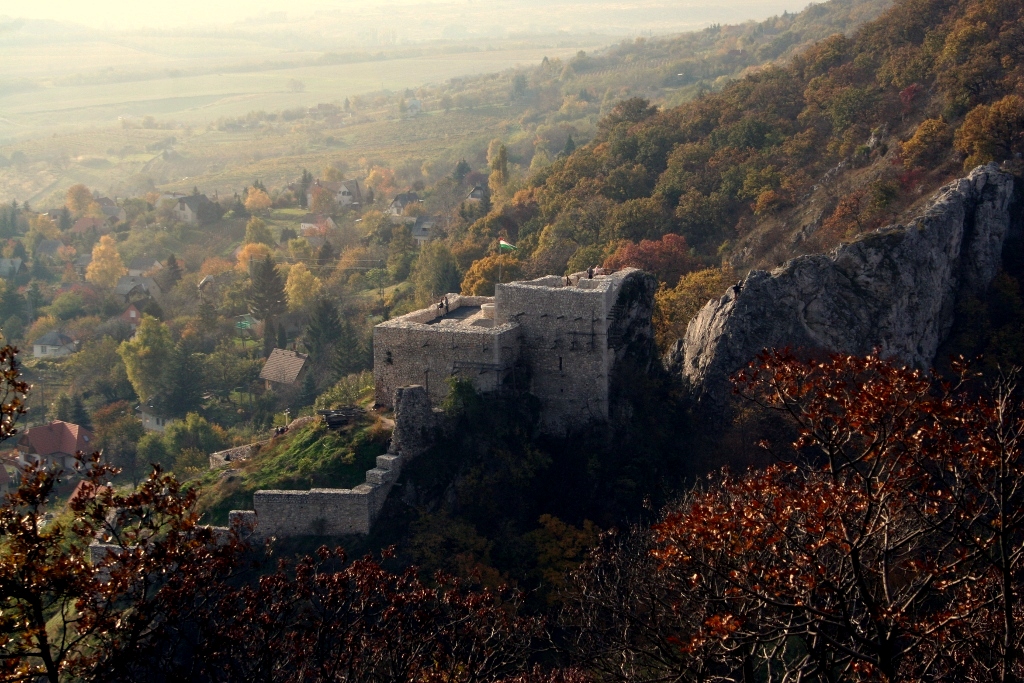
(139, 13)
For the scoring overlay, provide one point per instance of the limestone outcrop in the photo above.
(894, 289)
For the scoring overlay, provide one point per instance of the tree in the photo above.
(282, 337)
(305, 181)
(173, 272)
(435, 272)
(323, 201)
(250, 255)
(257, 200)
(106, 267)
(886, 544)
(927, 144)
(117, 434)
(266, 296)
(152, 450)
(78, 199)
(302, 287)
(381, 180)
(180, 392)
(482, 276)
(194, 432)
(269, 338)
(570, 146)
(257, 232)
(323, 332)
(668, 258)
(992, 132)
(146, 357)
(461, 170)
(499, 170)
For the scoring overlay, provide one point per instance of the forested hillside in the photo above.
(789, 159)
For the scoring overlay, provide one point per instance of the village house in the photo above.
(398, 204)
(54, 445)
(10, 267)
(345, 192)
(111, 210)
(132, 315)
(187, 209)
(152, 418)
(142, 265)
(54, 344)
(135, 287)
(316, 223)
(49, 249)
(422, 230)
(477, 194)
(283, 368)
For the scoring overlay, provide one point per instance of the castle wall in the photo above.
(408, 350)
(563, 334)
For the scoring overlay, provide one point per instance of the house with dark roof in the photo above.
(187, 208)
(48, 249)
(140, 265)
(477, 194)
(54, 444)
(422, 230)
(54, 345)
(111, 210)
(10, 267)
(283, 367)
(135, 287)
(398, 204)
(153, 418)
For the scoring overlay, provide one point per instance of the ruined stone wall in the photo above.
(564, 341)
(339, 512)
(407, 352)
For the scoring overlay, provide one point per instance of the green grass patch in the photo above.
(309, 457)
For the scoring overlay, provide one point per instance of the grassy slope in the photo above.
(309, 457)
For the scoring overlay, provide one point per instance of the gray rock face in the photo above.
(894, 289)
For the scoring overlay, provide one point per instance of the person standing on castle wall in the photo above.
(446, 305)
(590, 273)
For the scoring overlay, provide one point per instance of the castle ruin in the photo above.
(567, 333)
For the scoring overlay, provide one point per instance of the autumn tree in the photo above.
(486, 272)
(257, 200)
(323, 201)
(928, 143)
(257, 232)
(992, 132)
(106, 267)
(499, 170)
(302, 287)
(249, 256)
(884, 544)
(435, 272)
(78, 199)
(668, 258)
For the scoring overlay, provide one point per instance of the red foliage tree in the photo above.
(668, 258)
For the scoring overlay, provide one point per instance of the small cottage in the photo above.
(283, 368)
(54, 345)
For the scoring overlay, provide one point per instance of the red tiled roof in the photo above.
(57, 437)
(84, 225)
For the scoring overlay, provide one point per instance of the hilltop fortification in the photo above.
(566, 333)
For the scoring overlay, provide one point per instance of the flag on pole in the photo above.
(505, 246)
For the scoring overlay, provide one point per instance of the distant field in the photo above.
(201, 99)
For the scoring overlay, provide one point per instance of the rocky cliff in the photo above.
(894, 289)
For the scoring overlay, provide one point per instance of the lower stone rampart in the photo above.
(339, 512)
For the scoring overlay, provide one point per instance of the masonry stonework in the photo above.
(568, 333)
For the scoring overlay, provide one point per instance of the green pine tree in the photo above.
(323, 332)
(282, 337)
(266, 297)
(79, 415)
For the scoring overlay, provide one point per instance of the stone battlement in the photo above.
(560, 329)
